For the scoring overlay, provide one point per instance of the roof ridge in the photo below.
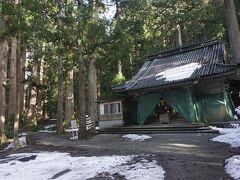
(185, 48)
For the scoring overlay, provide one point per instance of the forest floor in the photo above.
(182, 156)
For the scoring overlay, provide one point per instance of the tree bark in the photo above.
(3, 79)
(92, 93)
(13, 95)
(81, 108)
(40, 97)
(233, 30)
(31, 114)
(13, 79)
(92, 76)
(60, 76)
(120, 68)
(13, 110)
(69, 104)
(60, 94)
(17, 113)
(179, 35)
(21, 78)
(81, 105)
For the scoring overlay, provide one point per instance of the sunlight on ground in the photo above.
(182, 145)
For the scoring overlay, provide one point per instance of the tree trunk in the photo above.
(92, 76)
(13, 80)
(92, 93)
(69, 105)
(179, 35)
(60, 75)
(3, 79)
(13, 95)
(17, 114)
(39, 91)
(31, 114)
(233, 30)
(41, 67)
(60, 94)
(81, 108)
(21, 78)
(120, 68)
(81, 105)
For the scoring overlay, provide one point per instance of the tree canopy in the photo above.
(74, 33)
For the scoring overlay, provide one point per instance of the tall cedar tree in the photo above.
(60, 72)
(233, 30)
(81, 108)
(3, 79)
(92, 74)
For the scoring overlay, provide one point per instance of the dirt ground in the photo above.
(183, 156)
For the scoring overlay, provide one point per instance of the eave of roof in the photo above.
(182, 84)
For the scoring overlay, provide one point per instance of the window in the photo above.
(119, 107)
(106, 111)
(101, 109)
(110, 108)
(113, 108)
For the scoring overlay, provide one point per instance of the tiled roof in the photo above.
(208, 56)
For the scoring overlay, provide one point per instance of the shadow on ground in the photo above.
(182, 156)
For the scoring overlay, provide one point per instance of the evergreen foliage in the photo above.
(137, 29)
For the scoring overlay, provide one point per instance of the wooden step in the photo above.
(157, 130)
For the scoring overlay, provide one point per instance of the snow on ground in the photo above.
(177, 73)
(233, 167)
(49, 129)
(136, 137)
(229, 135)
(22, 141)
(238, 110)
(235, 125)
(51, 165)
(50, 126)
(235, 129)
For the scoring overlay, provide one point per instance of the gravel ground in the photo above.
(182, 156)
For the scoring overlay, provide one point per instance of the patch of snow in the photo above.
(47, 131)
(74, 138)
(136, 137)
(235, 117)
(22, 141)
(70, 130)
(226, 130)
(46, 165)
(238, 110)
(229, 135)
(22, 134)
(233, 167)
(50, 126)
(235, 125)
(177, 73)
